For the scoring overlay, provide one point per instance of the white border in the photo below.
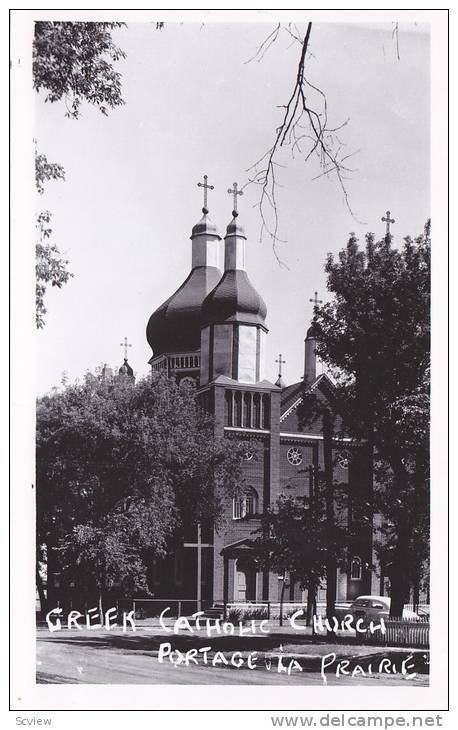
(189, 697)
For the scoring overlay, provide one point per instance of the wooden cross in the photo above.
(388, 220)
(205, 187)
(235, 192)
(199, 545)
(125, 344)
(315, 300)
(280, 363)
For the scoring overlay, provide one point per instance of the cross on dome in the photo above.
(388, 220)
(280, 363)
(206, 187)
(315, 300)
(235, 192)
(125, 344)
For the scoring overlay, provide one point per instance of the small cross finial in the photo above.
(235, 192)
(388, 220)
(125, 344)
(315, 300)
(205, 187)
(280, 363)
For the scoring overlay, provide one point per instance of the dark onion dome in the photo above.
(313, 332)
(234, 299)
(175, 325)
(125, 369)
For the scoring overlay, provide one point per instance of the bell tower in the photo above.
(233, 335)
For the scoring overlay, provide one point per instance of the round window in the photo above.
(343, 459)
(248, 455)
(294, 456)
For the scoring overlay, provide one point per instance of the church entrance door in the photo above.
(245, 580)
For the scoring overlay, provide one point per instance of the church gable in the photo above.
(293, 418)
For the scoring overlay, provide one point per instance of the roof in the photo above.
(125, 369)
(262, 385)
(292, 395)
(234, 299)
(175, 325)
(205, 226)
(245, 544)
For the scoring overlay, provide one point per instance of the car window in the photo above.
(362, 602)
(377, 604)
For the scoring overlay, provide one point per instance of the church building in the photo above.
(212, 331)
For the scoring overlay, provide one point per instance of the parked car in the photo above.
(371, 608)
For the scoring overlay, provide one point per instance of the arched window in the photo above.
(256, 410)
(265, 412)
(356, 568)
(238, 409)
(251, 502)
(229, 414)
(247, 410)
(245, 505)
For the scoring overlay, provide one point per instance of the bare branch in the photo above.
(322, 141)
(265, 45)
(395, 37)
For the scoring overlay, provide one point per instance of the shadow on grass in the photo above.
(144, 644)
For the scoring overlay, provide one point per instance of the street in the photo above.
(101, 657)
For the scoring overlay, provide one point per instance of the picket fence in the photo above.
(400, 632)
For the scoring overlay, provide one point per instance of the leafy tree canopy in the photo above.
(50, 265)
(73, 61)
(123, 468)
(375, 336)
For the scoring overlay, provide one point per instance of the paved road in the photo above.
(81, 657)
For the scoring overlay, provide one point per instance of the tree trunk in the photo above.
(398, 587)
(282, 595)
(331, 566)
(311, 602)
(101, 605)
(416, 594)
(41, 590)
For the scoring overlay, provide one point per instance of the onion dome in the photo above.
(205, 225)
(312, 332)
(234, 298)
(125, 369)
(175, 325)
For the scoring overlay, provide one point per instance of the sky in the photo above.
(195, 105)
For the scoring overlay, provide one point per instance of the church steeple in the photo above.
(233, 327)
(205, 235)
(175, 326)
(310, 347)
(125, 368)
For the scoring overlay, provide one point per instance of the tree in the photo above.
(121, 469)
(73, 62)
(50, 267)
(298, 541)
(375, 335)
(304, 130)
